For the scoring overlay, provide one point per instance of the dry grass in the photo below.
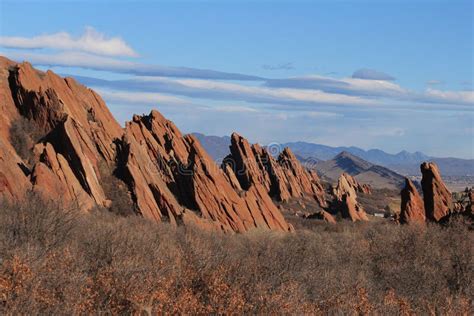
(57, 261)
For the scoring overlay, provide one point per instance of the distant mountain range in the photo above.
(404, 162)
(216, 146)
(364, 171)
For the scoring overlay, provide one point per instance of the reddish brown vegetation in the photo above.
(57, 261)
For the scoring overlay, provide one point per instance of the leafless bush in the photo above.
(116, 190)
(103, 263)
(23, 136)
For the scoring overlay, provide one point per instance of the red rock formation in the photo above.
(77, 128)
(170, 176)
(283, 178)
(13, 180)
(412, 209)
(346, 198)
(437, 198)
(192, 176)
(470, 205)
(322, 215)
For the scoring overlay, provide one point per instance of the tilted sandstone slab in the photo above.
(322, 215)
(346, 198)
(412, 209)
(170, 176)
(283, 178)
(437, 198)
(191, 175)
(13, 181)
(54, 178)
(71, 118)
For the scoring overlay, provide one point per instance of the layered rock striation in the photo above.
(283, 177)
(169, 177)
(412, 207)
(345, 194)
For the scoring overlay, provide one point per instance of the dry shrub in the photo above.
(116, 191)
(104, 263)
(24, 134)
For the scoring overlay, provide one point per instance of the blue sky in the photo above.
(392, 75)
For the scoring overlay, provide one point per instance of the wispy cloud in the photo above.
(283, 66)
(217, 90)
(235, 109)
(293, 93)
(434, 82)
(292, 99)
(91, 41)
(373, 89)
(139, 98)
(89, 61)
(371, 74)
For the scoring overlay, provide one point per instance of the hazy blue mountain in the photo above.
(362, 170)
(404, 162)
(216, 146)
(376, 156)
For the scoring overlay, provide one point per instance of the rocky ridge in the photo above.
(283, 177)
(167, 176)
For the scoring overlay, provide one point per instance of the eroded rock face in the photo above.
(75, 126)
(193, 177)
(437, 198)
(283, 178)
(412, 209)
(170, 177)
(346, 198)
(322, 215)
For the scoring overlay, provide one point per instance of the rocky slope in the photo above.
(78, 144)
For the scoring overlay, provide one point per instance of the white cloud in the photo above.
(138, 97)
(90, 41)
(265, 94)
(291, 93)
(101, 63)
(235, 109)
(466, 97)
(318, 114)
(371, 74)
(434, 82)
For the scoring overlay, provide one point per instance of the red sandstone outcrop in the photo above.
(437, 198)
(412, 209)
(470, 205)
(76, 127)
(170, 177)
(322, 215)
(346, 198)
(158, 152)
(283, 178)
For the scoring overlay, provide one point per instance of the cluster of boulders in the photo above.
(437, 203)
